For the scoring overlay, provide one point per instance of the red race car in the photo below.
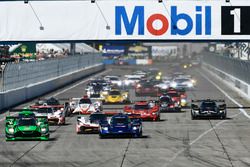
(146, 89)
(178, 95)
(148, 110)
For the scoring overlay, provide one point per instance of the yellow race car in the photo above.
(116, 96)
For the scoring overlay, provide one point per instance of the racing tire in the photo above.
(101, 136)
(193, 117)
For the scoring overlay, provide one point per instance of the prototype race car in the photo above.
(121, 125)
(208, 108)
(147, 88)
(117, 96)
(180, 83)
(85, 105)
(148, 110)
(115, 80)
(90, 124)
(54, 104)
(26, 126)
(97, 88)
(168, 105)
(55, 116)
(131, 80)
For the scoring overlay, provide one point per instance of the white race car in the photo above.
(131, 80)
(85, 105)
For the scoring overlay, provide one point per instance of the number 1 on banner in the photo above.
(236, 14)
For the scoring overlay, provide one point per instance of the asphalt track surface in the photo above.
(175, 141)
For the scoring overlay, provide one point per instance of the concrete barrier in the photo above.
(16, 96)
(240, 86)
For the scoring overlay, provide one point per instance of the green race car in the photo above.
(26, 126)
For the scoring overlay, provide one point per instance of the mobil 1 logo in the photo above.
(235, 20)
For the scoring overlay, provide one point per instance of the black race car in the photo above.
(208, 108)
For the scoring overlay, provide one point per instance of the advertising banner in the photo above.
(113, 50)
(124, 20)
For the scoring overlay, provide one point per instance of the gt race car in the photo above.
(90, 124)
(147, 88)
(148, 110)
(208, 108)
(26, 126)
(121, 125)
(116, 96)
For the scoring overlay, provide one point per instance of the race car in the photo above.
(116, 96)
(168, 105)
(208, 108)
(148, 110)
(85, 105)
(121, 125)
(115, 80)
(182, 83)
(178, 95)
(97, 88)
(90, 124)
(164, 84)
(131, 80)
(26, 126)
(146, 88)
(175, 95)
(155, 73)
(56, 116)
(54, 104)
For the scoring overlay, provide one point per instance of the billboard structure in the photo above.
(124, 20)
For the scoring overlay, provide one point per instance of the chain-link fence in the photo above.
(24, 74)
(238, 68)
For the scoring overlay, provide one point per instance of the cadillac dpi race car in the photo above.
(148, 110)
(117, 96)
(208, 108)
(121, 125)
(26, 126)
(90, 124)
(85, 105)
(168, 105)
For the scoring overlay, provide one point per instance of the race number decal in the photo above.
(235, 20)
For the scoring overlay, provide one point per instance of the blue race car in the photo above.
(121, 125)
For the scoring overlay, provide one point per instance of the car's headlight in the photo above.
(158, 77)
(193, 81)
(134, 128)
(119, 83)
(196, 111)
(43, 130)
(11, 130)
(173, 84)
(185, 66)
(221, 111)
(154, 113)
(190, 85)
(159, 73)
(183, 100)
(105, 128)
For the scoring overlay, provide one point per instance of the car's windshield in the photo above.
(85, 101)
(114, 93)
(26, 121)
(141, 107)
(118, 120)
(181, 80)
(45, 111)
(97, 117)
(165, 99)
(208, 105)
(173, 94)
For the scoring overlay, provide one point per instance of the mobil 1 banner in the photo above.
(125, 20)
(235, 20)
